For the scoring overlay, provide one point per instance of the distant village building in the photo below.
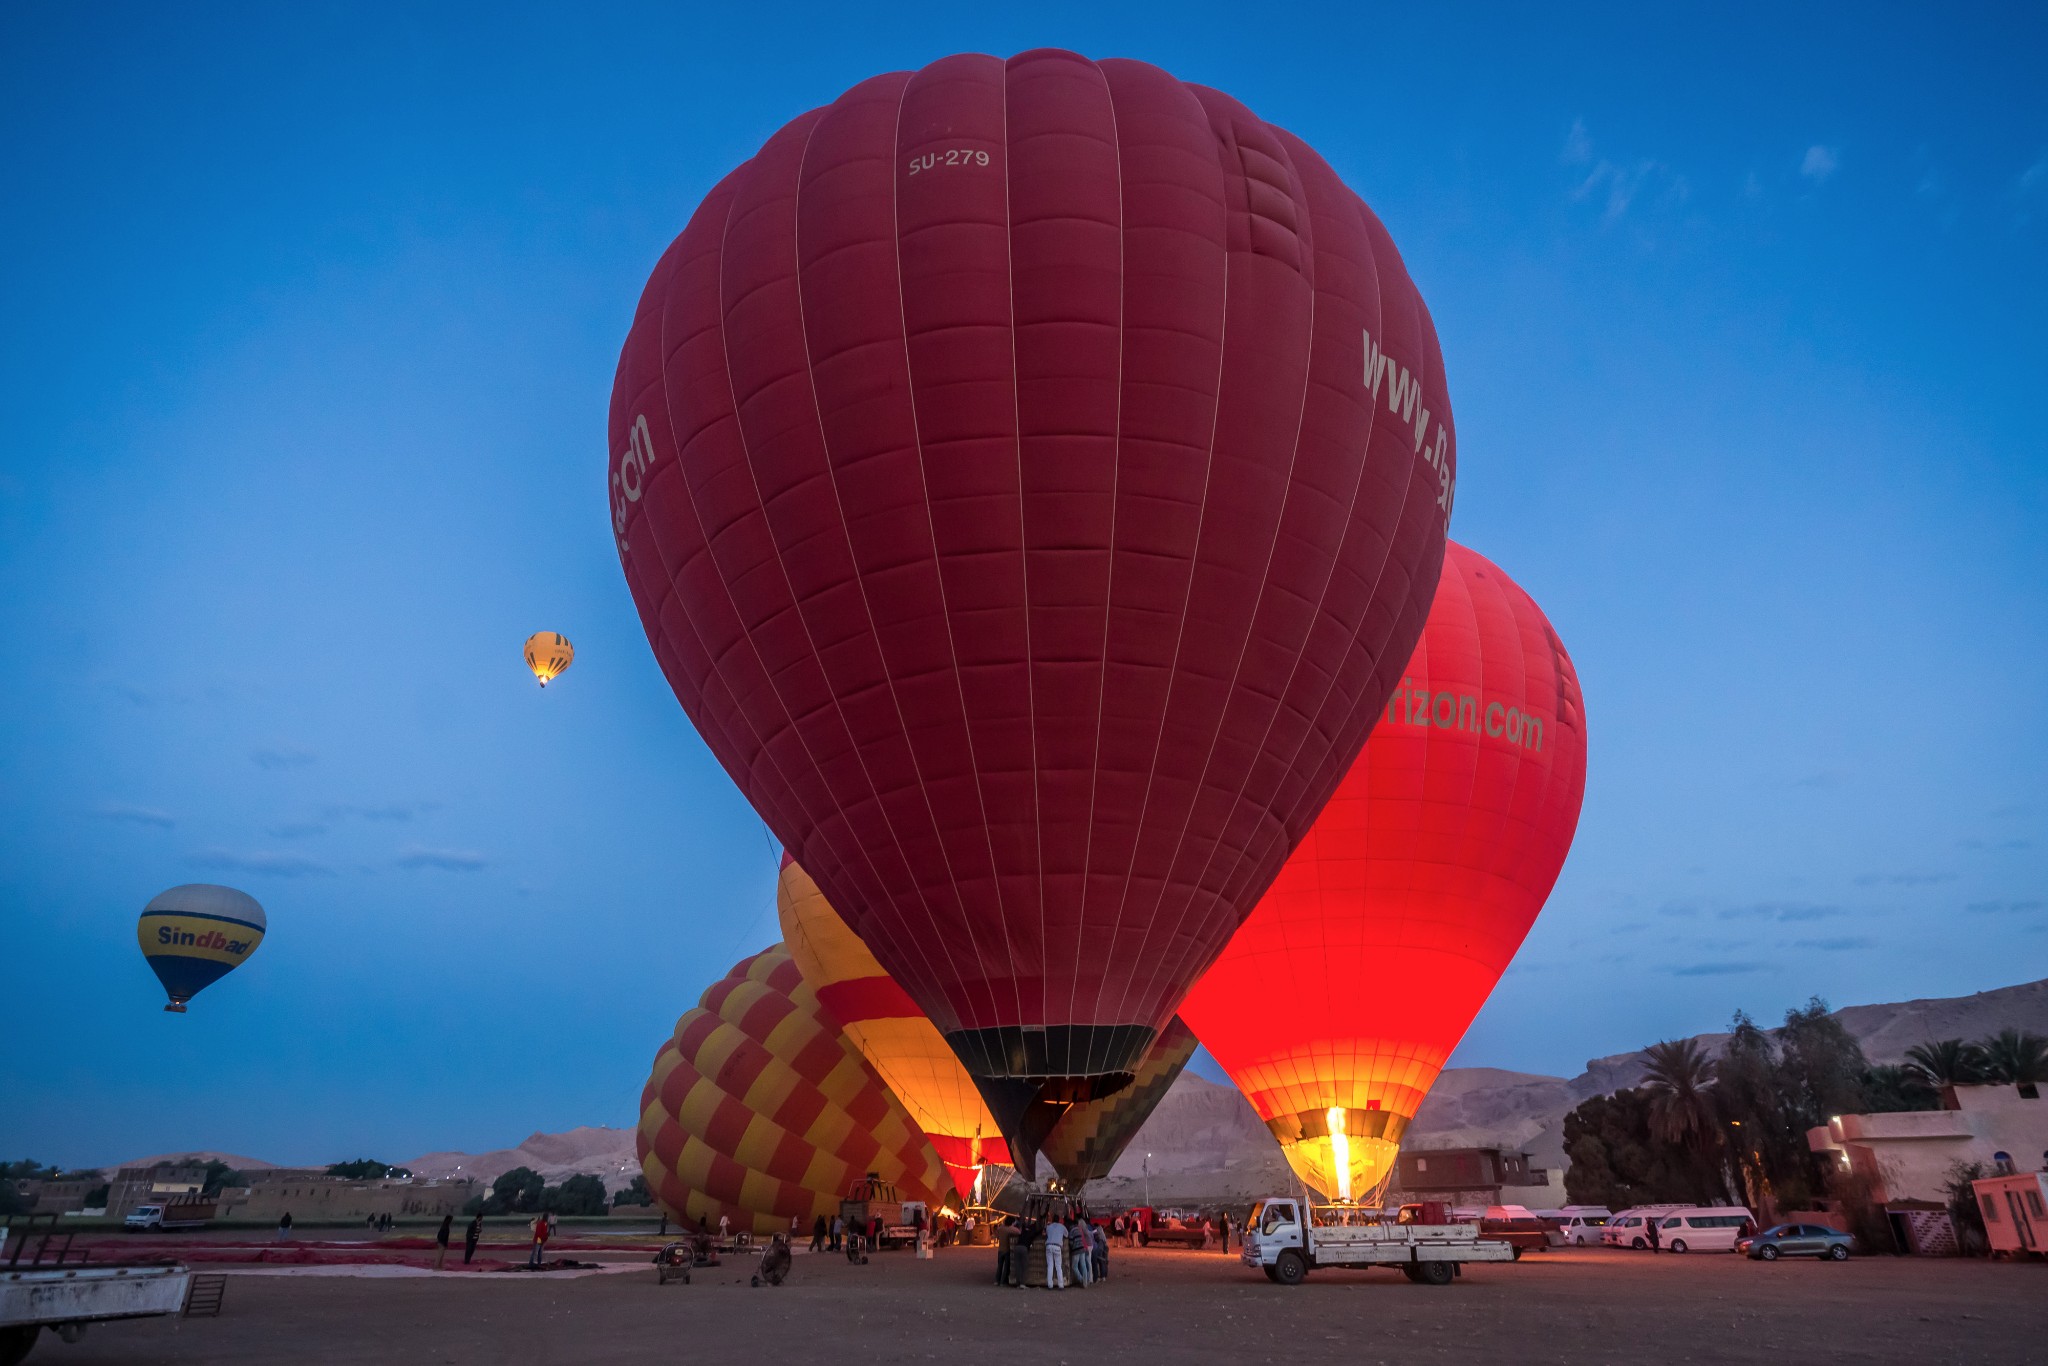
(1908, 1158)
(1474, 1176)
(158, 1185)
(314, 1195)
(66, 1196)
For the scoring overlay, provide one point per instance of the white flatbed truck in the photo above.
(35, 1295)
(1286, 1246)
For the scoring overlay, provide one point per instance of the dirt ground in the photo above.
(1179, 1306)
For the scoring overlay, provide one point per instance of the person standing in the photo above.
(1081, 1251)
(1098, 1250)
(471, 1238)
(441, 1240)
(818, 1234)
(1006, 1237)
(1055, 1255)
(724, 1229)
(540, 1240)
(284, 1227)
(1653, 1221)
(1223, 1231)
(838, 1232)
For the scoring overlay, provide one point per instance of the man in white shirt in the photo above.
(1055, 1255)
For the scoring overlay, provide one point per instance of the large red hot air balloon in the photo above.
(1336, 1005)
(1032, 475)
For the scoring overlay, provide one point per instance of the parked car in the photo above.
(1798, 1240)
(1704, 1228)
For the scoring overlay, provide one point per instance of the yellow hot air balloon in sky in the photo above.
(889, 1029)
(549, 654)
(196, 934)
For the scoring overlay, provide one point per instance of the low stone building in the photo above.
(309, 1196)
(60, 1196)
(1474, 1176)
(1910, 1155)
(134, 1186)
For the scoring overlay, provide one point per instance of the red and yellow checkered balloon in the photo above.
(760, 1110)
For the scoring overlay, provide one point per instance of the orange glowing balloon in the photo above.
(891, 1031)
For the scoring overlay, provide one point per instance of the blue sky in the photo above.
(311, 314)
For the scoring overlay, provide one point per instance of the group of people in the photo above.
(1076, 1251)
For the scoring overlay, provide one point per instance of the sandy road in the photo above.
(1183, 1307)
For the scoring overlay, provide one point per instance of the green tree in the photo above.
(1679, 1081)
(368, 1169)
(635, 1194)
(579, 1194)
(1765, 1128)
(1963, 1210)
(1947, 1062)
(1822, 1062)
(2013, 1055)
(519, 1191)
(1889, 1088)
(220, 1176)
(1617, 1162)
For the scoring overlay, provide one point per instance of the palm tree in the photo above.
(2013, 1055)
(1946, 1062)
(1678, 1077)
(1889, 1088)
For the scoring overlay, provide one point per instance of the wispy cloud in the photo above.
(450, 860)
(386, 811)
(2002, 907)
(1779, 910)
(1618, 185)
(2034, 179)
(135, 815)
(260, 861)
(1903, 879)
(1838, 944)
(281, 756)
(1714, 969)
(296, 830)
(1578, 145)
(1819, 163)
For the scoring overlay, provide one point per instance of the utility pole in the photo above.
(1148, 1179)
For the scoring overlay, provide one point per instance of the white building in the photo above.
(1909, 1156)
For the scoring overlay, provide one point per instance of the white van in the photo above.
(1631, 1227)
(1580, 1225)
(1703, 1228)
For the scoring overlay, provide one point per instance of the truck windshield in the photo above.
(1275, 1216)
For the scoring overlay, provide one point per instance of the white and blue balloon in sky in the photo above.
(196, 934)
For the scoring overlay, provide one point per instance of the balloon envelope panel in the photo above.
(758, 1110)
(1091, 1136)
(889, 1029)
(1364, 965)
(194, 935)
(1031, 475)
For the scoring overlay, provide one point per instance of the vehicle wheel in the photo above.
(660, 1274)
(1838, 1253)
(15, 1342)
(1291, 1268)
(1768, 1253)
(1678, 1244)
(1434, 1273)
(1638, 1244)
